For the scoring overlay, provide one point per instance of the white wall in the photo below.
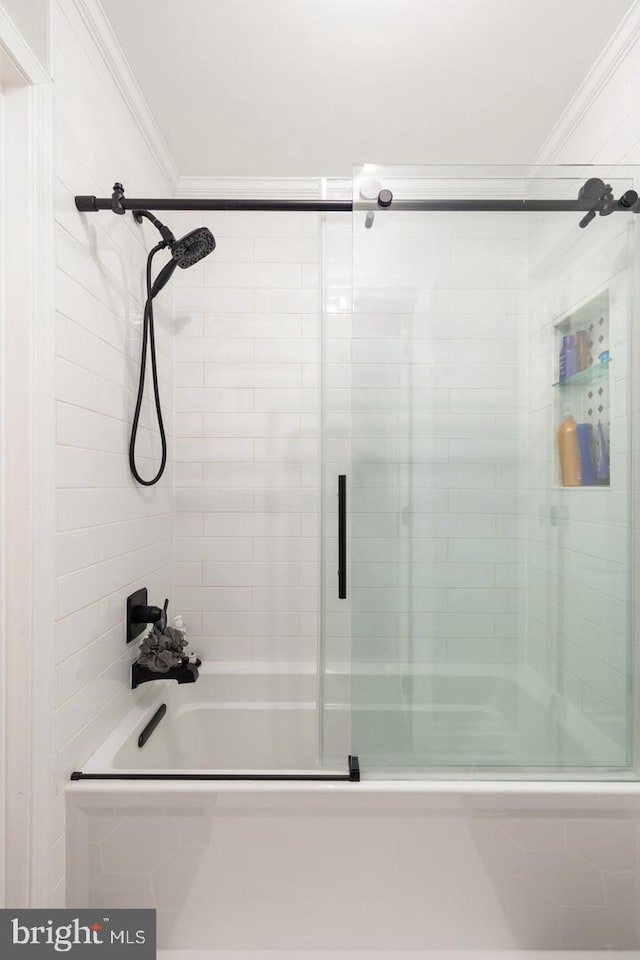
(31, 17)
(246, 472)
(112, 536)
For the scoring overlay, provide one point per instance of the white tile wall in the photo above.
(580, 568)
(579, 571)
(246, 491)
(112, 535)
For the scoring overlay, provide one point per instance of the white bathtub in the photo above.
(362, 866)
(235, 717)
(492, 722)
(378, 865)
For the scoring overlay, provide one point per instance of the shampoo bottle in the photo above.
(603, 455)
(562, 359)
(572, 357)
(568, 451)
(588, 471)
(582, 350)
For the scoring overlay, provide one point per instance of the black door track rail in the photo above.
(353, 776)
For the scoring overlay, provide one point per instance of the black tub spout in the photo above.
(184, 673)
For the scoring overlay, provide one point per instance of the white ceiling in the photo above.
(297, 88)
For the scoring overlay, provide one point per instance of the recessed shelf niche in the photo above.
(584, 390)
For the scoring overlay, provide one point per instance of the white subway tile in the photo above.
(252, 375)
(304, 400)
(213, 548)
(217, 274)
(253, 325)
(213, 598)
(235, 250)
(251, 574)
(285, 549)
(288, 599)
(252, 524)
(76, 549)
(210, 300)
(286, 351)
(219, 449)
(286, 300)
(285, 250)
(189, 400)
(255, 475)
(203, 500)
(213, 350)
(188, 524)
(188, 574)
(188, 474)
(252, 425)
(75, 631)
(294, 449)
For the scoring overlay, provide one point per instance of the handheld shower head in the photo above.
(193, 247)
(188, 249)
(184, 253)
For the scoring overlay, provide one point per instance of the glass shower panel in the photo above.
(488, 600)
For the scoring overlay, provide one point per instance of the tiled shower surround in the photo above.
(247, 444)
(579, 579)
(425, 373)
(231, 534)
(111, 537)
(247, 422)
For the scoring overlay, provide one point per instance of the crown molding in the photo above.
(19, 53)
(608, 63)
(102, 34)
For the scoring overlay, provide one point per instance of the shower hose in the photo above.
(148, 340)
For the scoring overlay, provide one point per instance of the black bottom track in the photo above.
(353, 776)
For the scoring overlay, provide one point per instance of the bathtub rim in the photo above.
(453, 795)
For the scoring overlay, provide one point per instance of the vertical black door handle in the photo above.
(342, 536)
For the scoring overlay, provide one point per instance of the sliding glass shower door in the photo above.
(477, 404)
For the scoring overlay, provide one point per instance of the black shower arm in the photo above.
(164, 231)
(603, 204)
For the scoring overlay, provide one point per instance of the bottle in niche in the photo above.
(572, 357)
(562, 359)
(582, 350)
(569, 451)
(586, 446)
(603, 468)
